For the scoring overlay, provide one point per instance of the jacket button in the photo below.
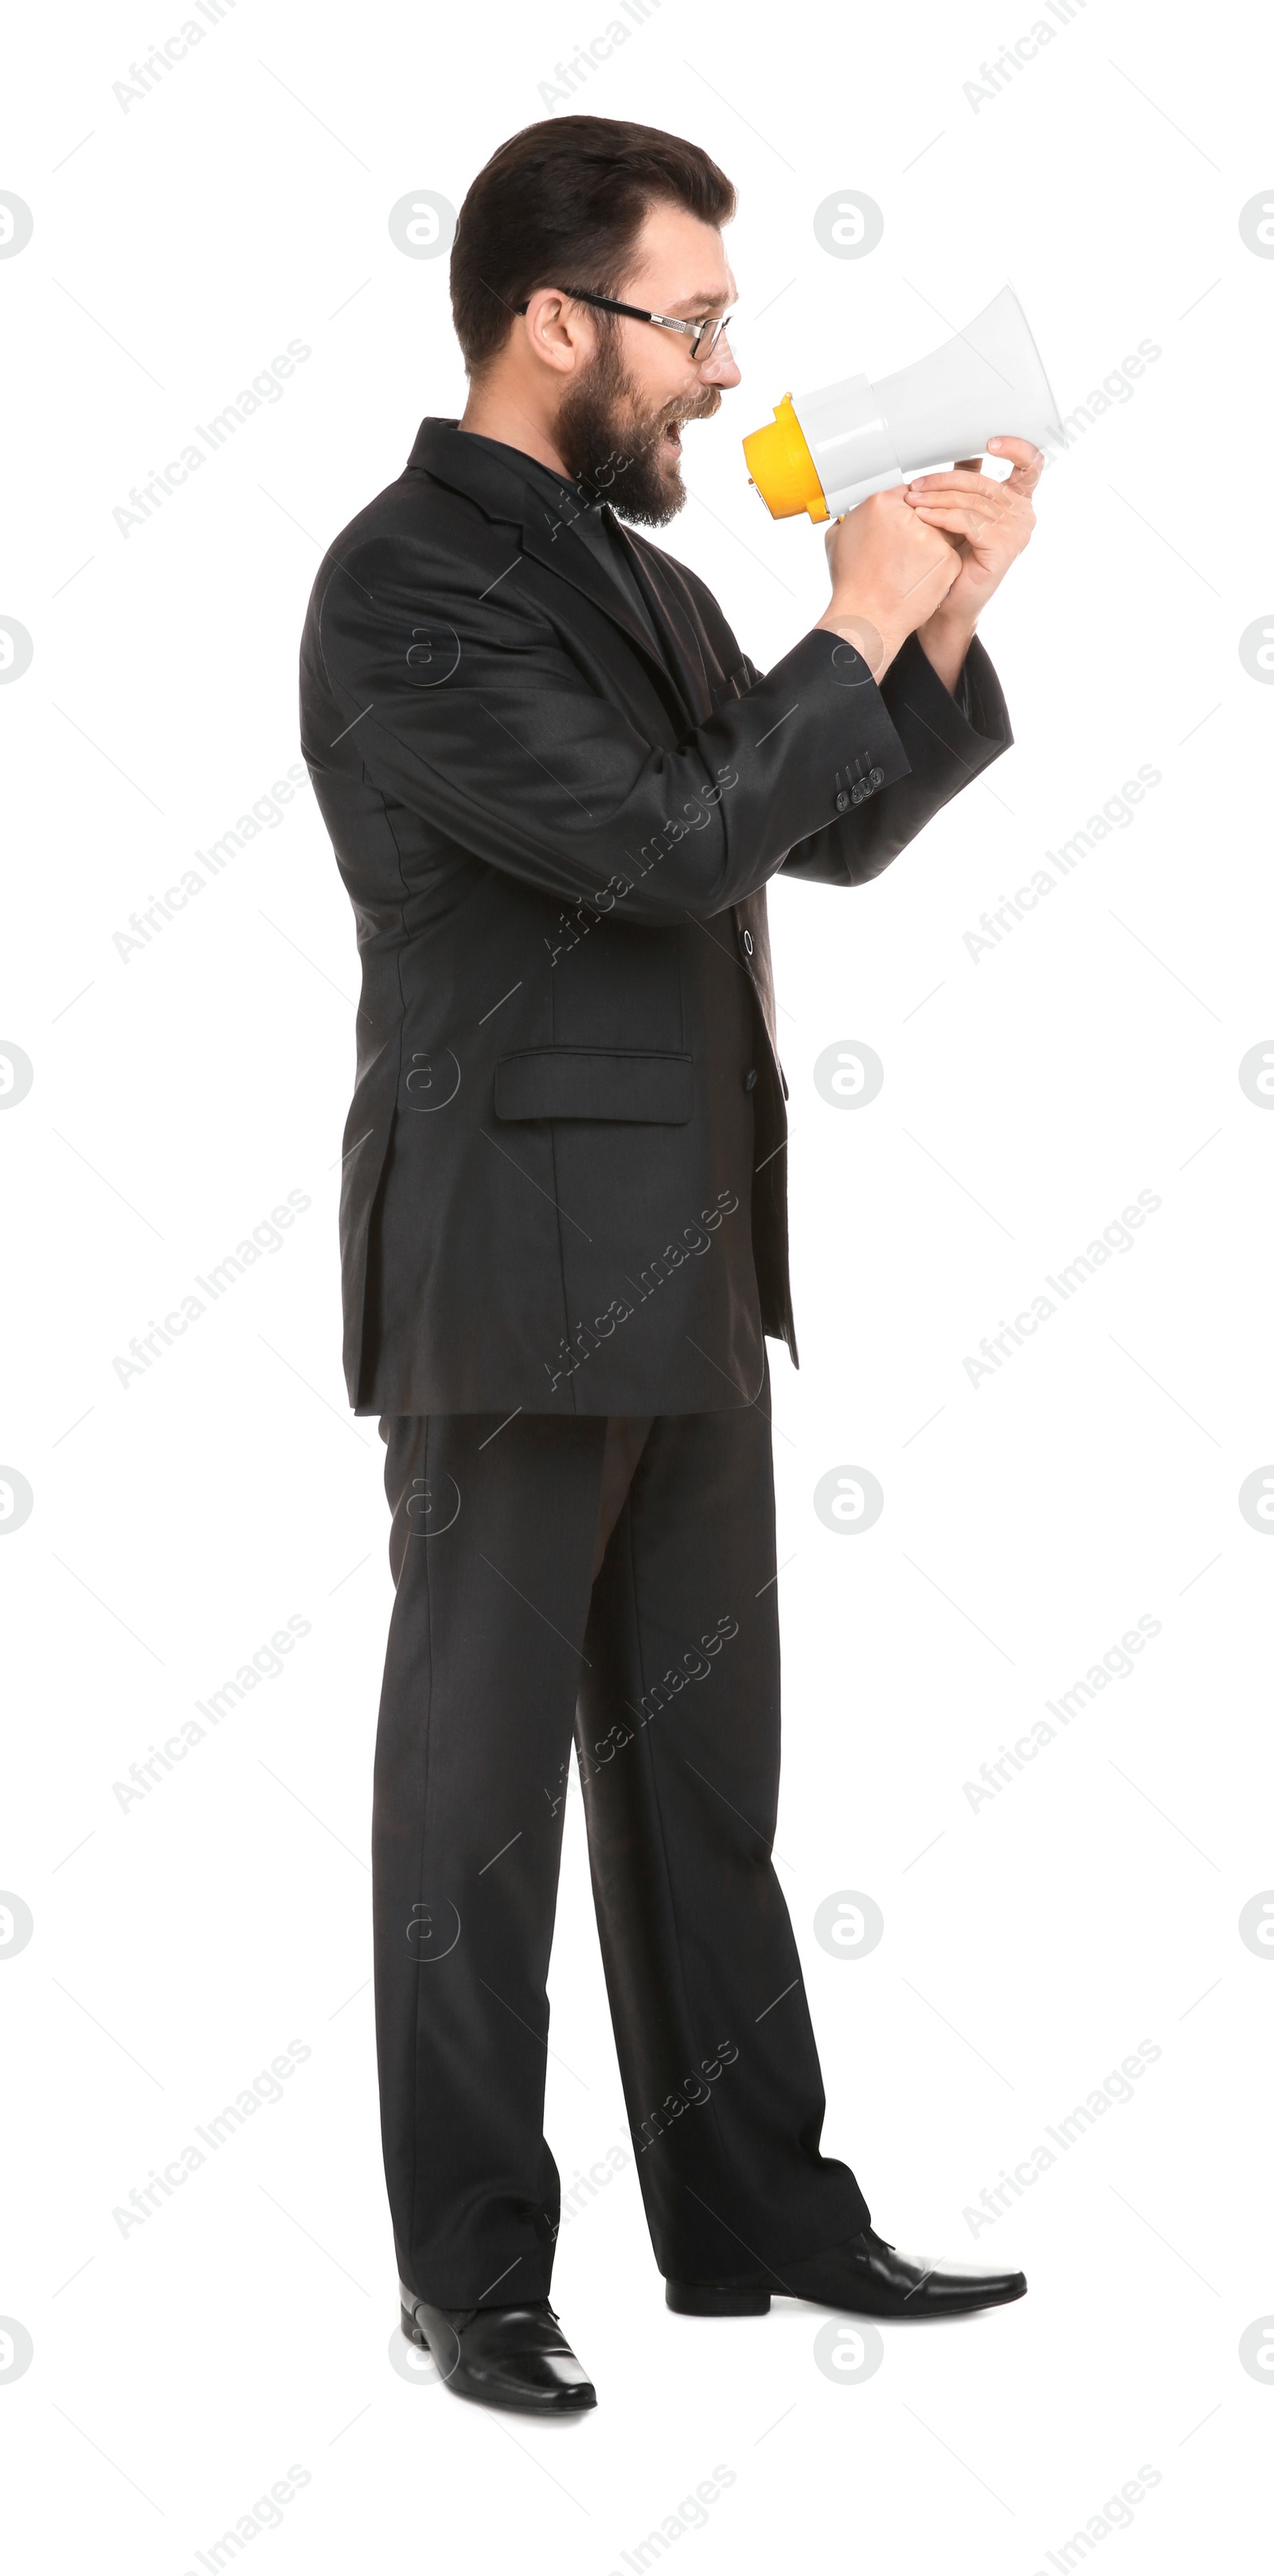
(747, 943)
(842, 802)
(858, 791)
(876, 778)
(749, 1079)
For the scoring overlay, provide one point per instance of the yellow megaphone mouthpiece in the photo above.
(781, 467)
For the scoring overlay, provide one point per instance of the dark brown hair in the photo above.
(563, 203)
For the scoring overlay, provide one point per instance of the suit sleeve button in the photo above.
(749, 1079)
(876, 778)
(842, 802)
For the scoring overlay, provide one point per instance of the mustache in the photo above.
(704, 409)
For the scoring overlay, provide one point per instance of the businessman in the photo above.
(557, 789)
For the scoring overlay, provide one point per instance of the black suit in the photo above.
(556, 789)
(557, 846)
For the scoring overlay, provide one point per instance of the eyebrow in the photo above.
(701, 303)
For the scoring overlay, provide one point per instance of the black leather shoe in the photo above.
(865, 2275)
(501, 2356)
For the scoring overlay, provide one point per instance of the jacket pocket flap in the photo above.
(595, 1082)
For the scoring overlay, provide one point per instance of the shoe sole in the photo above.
(567, 2404)
(686, 2299)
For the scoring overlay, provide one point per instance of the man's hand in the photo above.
(890, 571)
(989, 524)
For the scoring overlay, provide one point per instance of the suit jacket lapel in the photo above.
(453, 458)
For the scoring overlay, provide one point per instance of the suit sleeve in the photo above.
(949, 740)
(471, 712)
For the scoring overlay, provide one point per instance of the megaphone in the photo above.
(826, 451)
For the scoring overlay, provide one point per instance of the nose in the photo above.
(721, 368)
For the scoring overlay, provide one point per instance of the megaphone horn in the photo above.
(826, 451)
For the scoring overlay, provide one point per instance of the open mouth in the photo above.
(672, 436)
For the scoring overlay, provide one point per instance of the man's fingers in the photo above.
(1027, 460)
(966, 519)
(988, 506)
(1027, 463)
(957, 479)
(951, 497)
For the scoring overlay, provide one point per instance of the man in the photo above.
(556, 789)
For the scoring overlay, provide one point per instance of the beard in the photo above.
(621, 452)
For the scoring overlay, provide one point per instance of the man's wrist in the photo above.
(876, 642)
(945, 639)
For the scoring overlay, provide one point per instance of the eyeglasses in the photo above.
(703, 336)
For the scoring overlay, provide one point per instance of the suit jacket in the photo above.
(563, 1183)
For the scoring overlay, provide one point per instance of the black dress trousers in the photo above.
(665, 1671)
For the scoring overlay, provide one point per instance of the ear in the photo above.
(560, 334)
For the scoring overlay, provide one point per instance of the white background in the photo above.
(1031, 1942)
